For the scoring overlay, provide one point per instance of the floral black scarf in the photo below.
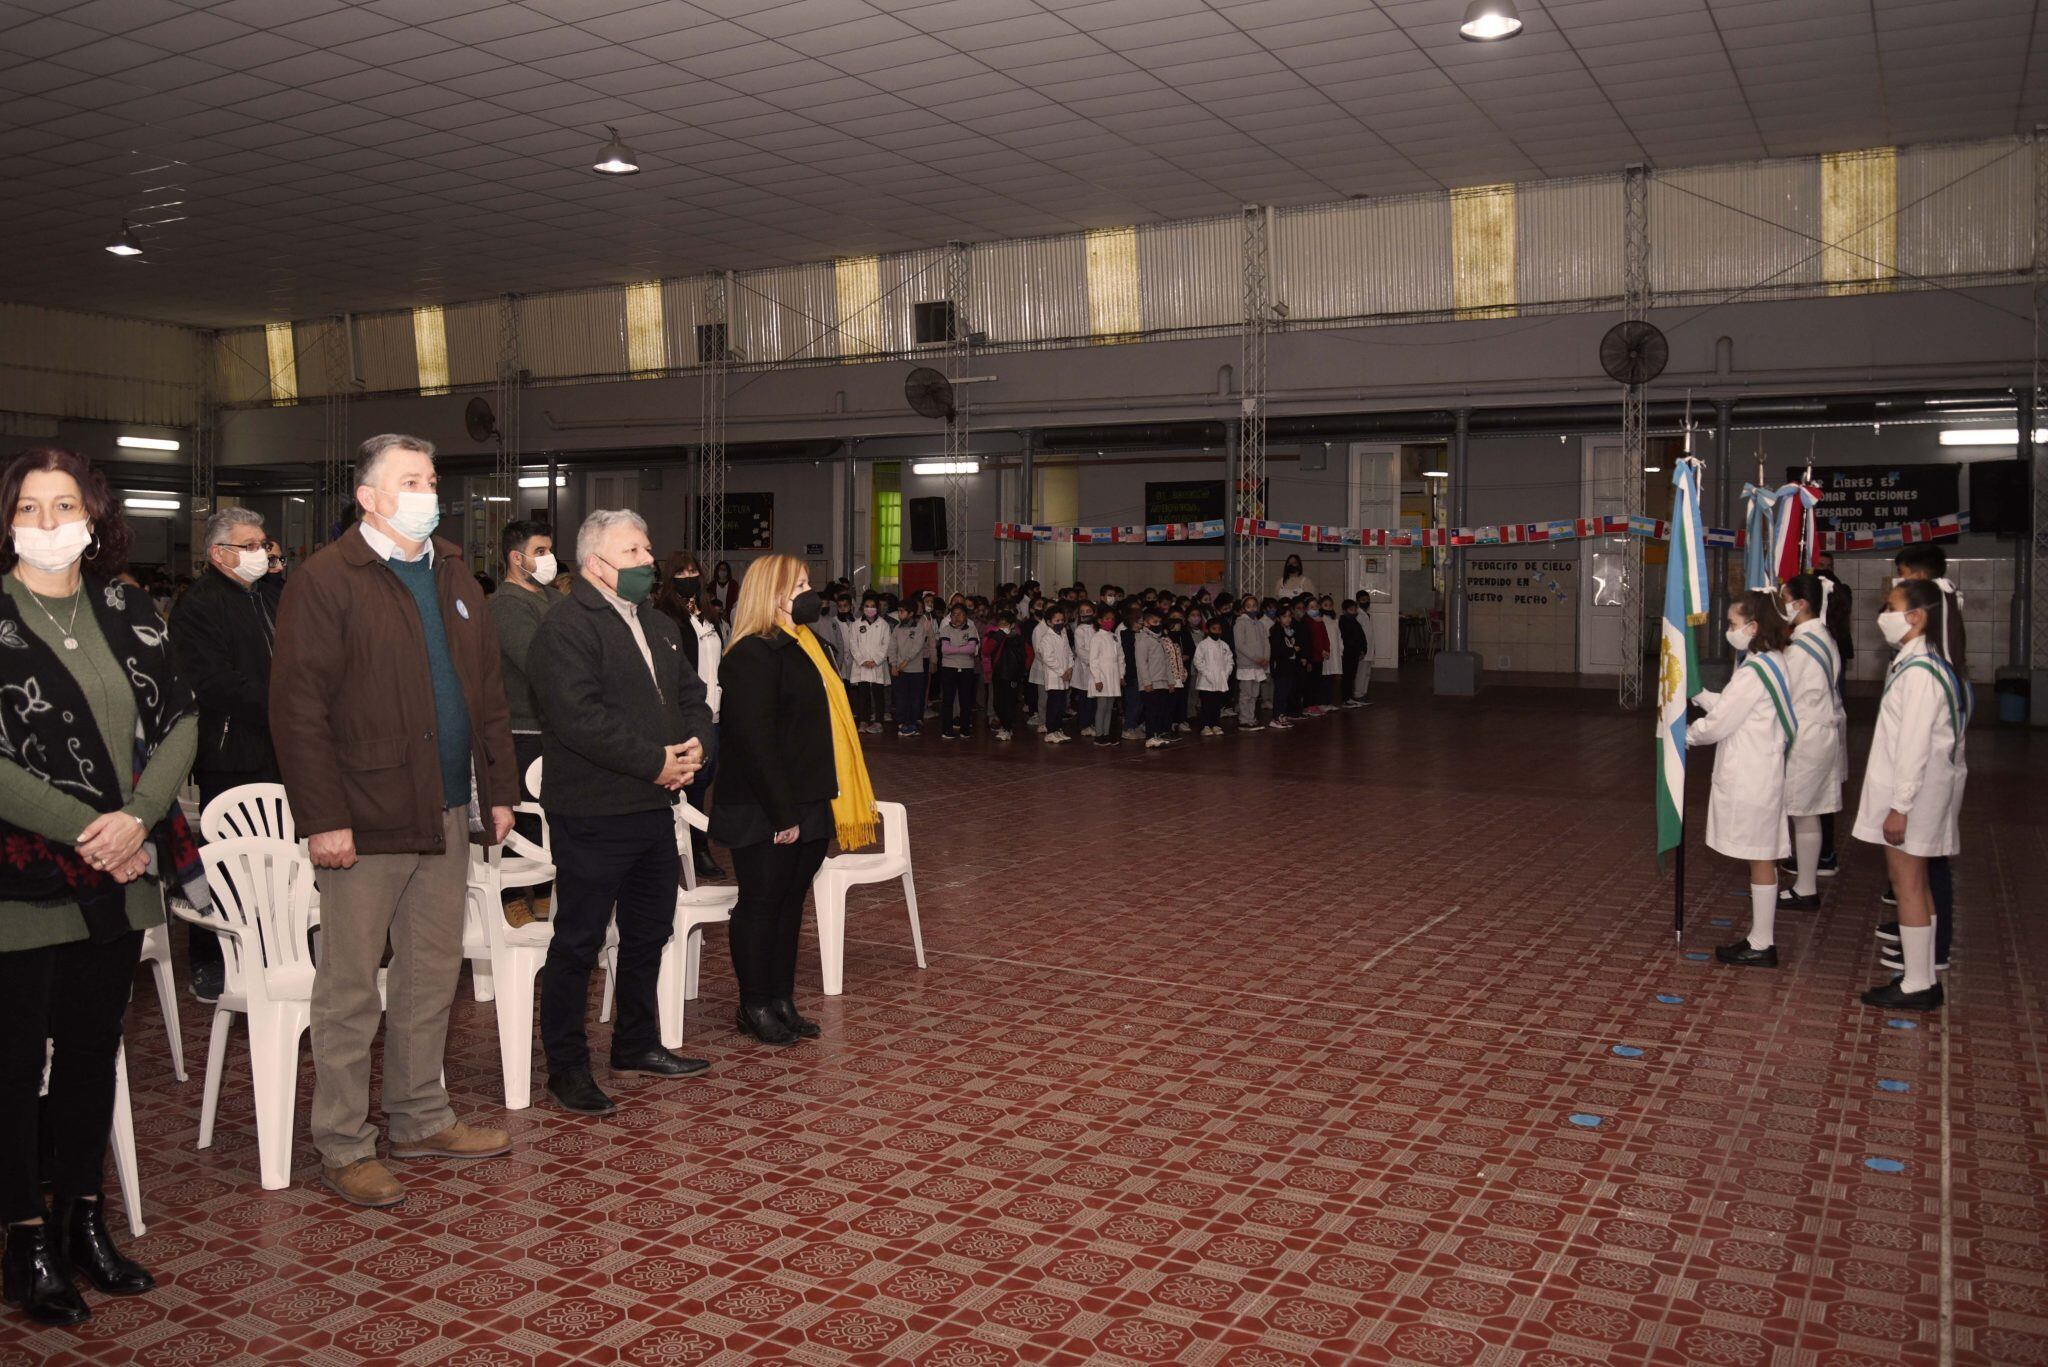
(47, 729)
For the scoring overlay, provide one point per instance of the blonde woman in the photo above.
(791, 779)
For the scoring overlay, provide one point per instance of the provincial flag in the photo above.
(1678, 675)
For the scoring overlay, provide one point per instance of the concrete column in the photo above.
(554, 519)
(1457, 668)
(1027, 496)
(850, 472)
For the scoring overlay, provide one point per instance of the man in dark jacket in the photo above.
(624, 727)
(390, 723)
(222, 634)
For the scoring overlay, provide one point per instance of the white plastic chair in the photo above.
(125, 1167)
(516, 953)
(696, 908)
(844, 871)
(251, 809)
(262, 909)
(156, 952)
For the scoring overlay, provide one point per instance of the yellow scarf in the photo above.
(853, 811)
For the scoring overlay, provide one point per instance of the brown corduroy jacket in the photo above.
(352, 702)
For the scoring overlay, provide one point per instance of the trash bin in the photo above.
(2012, 689)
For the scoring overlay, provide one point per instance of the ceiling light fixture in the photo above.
(161, 505)
(1988, 436)
(125, 244)
(541, 481)
(147, 443)
(1489, 21)
(616, 159)
(1436, 474)
(945, 467)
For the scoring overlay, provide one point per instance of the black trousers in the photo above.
(773, 880)
(1212, 707)
(201, 948)
(870, 703)
(957, 698)
(74, 996)
(525, 750)
(1008, 699)
(607, 865)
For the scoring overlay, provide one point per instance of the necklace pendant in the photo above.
(71, 643)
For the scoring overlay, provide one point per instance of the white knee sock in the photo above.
(1763, 915)
(1806, 847)
(1917, 942)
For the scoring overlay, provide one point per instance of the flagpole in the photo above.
(1678, 888)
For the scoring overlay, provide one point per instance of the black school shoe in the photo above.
(1828, 866)
(1740, 955)
(1789, 900)
(1891, 997)
(575, 1090)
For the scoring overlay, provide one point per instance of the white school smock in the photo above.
(1212, 666)
(1746, 814)
(1818, 764)
(1104, 651)
(1050, 657)
(1917, 763)
(1079, 646)
(870, 642)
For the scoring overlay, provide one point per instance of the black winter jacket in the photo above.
(222, 636)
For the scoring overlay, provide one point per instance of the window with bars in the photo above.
(886, 533)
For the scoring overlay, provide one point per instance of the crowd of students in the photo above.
(1109, 666)
(1782, 762)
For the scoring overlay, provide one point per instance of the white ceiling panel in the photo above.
(335, 155)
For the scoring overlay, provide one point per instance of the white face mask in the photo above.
(53, 551)
(544, 569)
(252, 564)
(417, 515)
(1740, 637)
(1893, 626)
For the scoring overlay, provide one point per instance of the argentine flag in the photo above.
(1678, 666)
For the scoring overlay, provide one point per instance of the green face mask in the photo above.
(635, 582)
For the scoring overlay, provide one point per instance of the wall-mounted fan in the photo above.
(1634, 352)
(929, 393)
(480, 421)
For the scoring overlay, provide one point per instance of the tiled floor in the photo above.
(1264, 1050)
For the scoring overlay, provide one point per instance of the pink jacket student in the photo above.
(991, 646)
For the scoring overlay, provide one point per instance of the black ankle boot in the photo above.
(38, 1280)
(785, 1011)
(764, 1023)
(82, 1235)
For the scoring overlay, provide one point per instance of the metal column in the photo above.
(1233, 435)
(953, 575)
(205, 453)
(1248, 569)
(554, 515)
(714, 356)
(2037, 452)
(849, 521)
(1635, 275)
(1455, 614)
(505, 479)
(1027, 498)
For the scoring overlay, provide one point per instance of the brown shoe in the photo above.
(519, 912)
(365, 1182)
(543, 905)
(457, 1141)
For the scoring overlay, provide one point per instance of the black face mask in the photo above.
(805, 607)
(689, 585)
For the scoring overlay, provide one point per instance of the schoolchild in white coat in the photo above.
(1753, 723)
(1913, 783)
(1213, 662)
(1103, 652)
(1818, 764)
(869, 654)
(1052, 669)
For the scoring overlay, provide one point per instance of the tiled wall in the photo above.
(1987, 587)
(1524, 611)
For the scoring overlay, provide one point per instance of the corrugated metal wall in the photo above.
(1964, 214)
(89, 365)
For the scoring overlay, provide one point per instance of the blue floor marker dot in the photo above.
(1884, 1165)
(1670, 999)
(1892, 1084)
(1720, 921)
(1697, 955)
(1592, 1122)
(1901, 1023)
(1627, 1051)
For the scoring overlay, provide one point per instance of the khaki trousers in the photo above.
(415, 903)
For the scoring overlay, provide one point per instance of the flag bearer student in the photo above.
(1913, 781)
(1754, 724)
(1929, 563)
(868, 657)
(1818, 764)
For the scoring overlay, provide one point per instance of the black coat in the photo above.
(777, 729)
(1351, 627)
(604, 726)
(222, 636)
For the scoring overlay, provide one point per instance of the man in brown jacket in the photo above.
(391, 726)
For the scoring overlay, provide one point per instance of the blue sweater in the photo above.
(451, 713)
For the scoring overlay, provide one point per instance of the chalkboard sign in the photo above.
(750, 522)
(1856, 496)
(1186, 500)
